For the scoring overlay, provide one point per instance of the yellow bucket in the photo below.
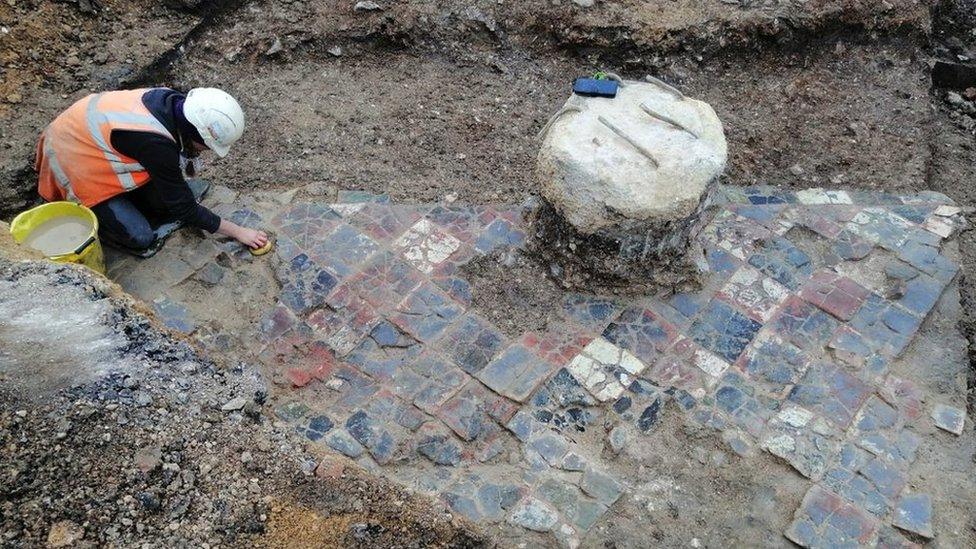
(87, 251)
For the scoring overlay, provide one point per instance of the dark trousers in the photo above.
(131, 219)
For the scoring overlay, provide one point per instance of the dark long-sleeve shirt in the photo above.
(161, 158)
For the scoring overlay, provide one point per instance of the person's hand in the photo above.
(251, 238)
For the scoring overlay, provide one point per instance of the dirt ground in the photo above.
(167, 448)
(423, 101)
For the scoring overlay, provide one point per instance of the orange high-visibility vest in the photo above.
(75, 158)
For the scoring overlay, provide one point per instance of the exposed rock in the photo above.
(534, 515)
(148, 459)
(64, 533)
(367, 5)
(646, 155)
(234, 404)
(626, 184)
(275, 48)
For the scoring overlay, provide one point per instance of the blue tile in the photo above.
(724, 331)
(914, 513)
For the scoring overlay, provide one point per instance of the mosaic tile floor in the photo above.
(808, 298)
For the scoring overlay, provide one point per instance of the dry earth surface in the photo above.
(425, 101)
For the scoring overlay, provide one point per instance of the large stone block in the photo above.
(626, 185)
(646, 155)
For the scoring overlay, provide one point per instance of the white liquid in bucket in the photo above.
(60, 235)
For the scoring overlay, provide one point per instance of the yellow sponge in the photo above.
(263, 249)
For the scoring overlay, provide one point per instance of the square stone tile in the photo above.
(384, 280)
(831, 392)
(605, 369)
(914, 514)
(425, 246)
(426, 312)
(515, 373)
(774, 363)
(779, 259)
(804, 325)
(499, 233)
(472, 342)
(921, 295)
(880, 429)
(689, 304)
(342, 250)
(385, 222)
(641, 331)
(806, 441)
(721, 261)
(753, 293)
(723, 330)
(174, 315)
(949, 418)
(824, 519)
(836, 294)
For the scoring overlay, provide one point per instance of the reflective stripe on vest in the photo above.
(95, 120)
(59, 175)
(76, 159)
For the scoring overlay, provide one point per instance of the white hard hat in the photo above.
(217, 116)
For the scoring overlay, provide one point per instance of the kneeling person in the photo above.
(123, 154)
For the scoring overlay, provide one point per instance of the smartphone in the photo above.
(592, 87)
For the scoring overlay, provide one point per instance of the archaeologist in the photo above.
(123, 154)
